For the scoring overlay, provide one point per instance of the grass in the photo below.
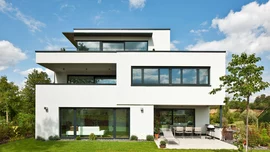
(31, 145)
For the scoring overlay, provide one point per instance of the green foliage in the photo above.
(54, 138)
(133, 137)
(25, 124)
(254, 137)
(92, 136)
(40, 138)
(78, 138)
(265, 139)
(252, 119)
(6, 132)
(264, 117)
(162, 142)
(150, 138)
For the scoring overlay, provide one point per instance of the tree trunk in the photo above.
(7, 116)
(247, 124)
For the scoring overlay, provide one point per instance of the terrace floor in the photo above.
(197, 143)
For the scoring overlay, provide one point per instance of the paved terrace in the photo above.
(197, 143)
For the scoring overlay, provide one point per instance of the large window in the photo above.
(176, 117)
(103, 122)
(90, 79)
(170, 76)
(112, 46)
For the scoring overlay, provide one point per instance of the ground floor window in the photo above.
(175, 117)
(103, 122)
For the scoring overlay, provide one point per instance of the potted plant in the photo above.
(156, 132)
(162, 144)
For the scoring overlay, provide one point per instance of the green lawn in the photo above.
(29, 145)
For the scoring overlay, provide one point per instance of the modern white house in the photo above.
(120, 81)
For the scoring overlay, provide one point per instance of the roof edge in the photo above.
(121, 29)
(180, 51)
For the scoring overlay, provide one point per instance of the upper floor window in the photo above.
(90, 79)
(167, 76)
(112, 45)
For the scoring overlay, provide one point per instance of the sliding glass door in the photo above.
(103, 122)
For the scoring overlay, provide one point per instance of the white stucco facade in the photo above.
(123, 94)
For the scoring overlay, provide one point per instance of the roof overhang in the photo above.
(70, 35)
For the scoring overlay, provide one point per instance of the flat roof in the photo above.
(121, 29)
(180, 51)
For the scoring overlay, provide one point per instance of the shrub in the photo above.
(162, 142)
(265, 139)
(78, 138)
(252, 118)
(92, 136)
(26, 124)
(6, 132)
(150, 138)
(54, 137)
(133, 137)
(254, 137)
(40, 138)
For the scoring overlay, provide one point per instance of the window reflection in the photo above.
(151, 76)
(189, 76)
(88, 46)
(137, 76)
(164, 76)
(113, 46)
(176, 76)
(203, 73)
(136, 46)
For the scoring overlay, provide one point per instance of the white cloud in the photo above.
(64, 6)
(13, 12)
(173, 44)
(56, 43)
(268, 57)
(204, 23)
(136, 4)
(99, 1)
(198, 32)
(247, 30)
(10, 55)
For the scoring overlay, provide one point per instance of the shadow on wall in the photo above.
(48, 128)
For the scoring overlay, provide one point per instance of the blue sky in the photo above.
(29, 25)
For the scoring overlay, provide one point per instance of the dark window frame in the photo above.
(170, 75)
(110, 41)
(75, 120)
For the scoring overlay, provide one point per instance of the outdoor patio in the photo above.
(197, 143)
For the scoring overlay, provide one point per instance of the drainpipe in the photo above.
(220, 116)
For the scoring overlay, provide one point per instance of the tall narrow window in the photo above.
(176, 76)
(136, 76)
(203, 76)
(164, 76)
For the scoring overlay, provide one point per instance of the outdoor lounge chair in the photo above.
(169, 136)
(189, 130)
(198, 130)
(178, 130)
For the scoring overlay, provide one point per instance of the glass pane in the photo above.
(184, 117)
(189, 76)
(136, 46)
(88, 46)
(80, 79)
(105, 80)
(203, 73)
(113, 46)
(136, 76)
(176, 76)
(97, 121)
(67, 122)
(122, 123)
(165, 118)
(150, 76)
(164, 76)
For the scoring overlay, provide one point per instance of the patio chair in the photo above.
(178, 130)
(189, 130)
(169, 137)
(198, 131)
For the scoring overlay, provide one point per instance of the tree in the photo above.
(28, 92)
(243, 80)
(9, 97)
